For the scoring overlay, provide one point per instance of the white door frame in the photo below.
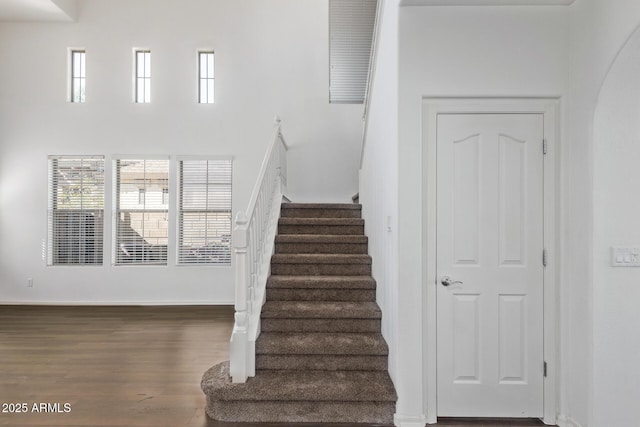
(549, 107)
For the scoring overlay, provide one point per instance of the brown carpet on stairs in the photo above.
(320, 357)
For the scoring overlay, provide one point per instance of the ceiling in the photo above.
(38, 10)
(66, 10)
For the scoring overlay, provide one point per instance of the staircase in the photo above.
(320, 356)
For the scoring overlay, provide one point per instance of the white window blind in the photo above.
(75, 210)
(140, 230)
(204, 212)
(351, 26)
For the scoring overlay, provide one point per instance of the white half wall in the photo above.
(271, 59)
(379, 179)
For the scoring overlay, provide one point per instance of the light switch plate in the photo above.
(625, 256)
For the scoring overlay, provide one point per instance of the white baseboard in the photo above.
(117, 303)
(565, 421)
(409, 421)
(420, 421)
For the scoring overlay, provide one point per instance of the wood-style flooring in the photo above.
(119, 366)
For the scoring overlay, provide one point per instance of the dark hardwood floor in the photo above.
(118, 366)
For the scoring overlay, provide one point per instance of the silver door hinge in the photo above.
(544, 368)
(544, 257)
(544, 146)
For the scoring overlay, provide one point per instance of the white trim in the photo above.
(377, 28)
(139, 156)
(134, 74)
(70, 51)
(180, 157)
(565, 421)
(120, 303)
(486, 2)
(198, 76)
(409, 421)
(549, 107)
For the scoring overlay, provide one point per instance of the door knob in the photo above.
(447, 281)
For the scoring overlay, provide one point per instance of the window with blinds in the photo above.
(75, 210)
(141, 210)
(351, 26)
(204, 212)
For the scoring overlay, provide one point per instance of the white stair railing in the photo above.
(253, 239)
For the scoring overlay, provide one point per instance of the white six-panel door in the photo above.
(489, 245)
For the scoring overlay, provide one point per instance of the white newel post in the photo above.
(239, 351)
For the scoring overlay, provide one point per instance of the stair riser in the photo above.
(321, 269)
(314, 282)
(320, 213)
(301, 411)
(320, 325)
(321, 248)
(321, 229)
(321, 362)
(321, 294)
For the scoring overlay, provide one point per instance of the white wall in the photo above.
(616, 343)
(379, 177)
(271, 58)
(458, 51)
(539, 51)
(599, 30)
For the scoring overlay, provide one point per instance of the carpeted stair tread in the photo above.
(330, 225)
(288, 294)
(321, 282)
(321, 221)
(320, 259)
(319, 343)
(320, 310)
(321, 244)
(312, 413)
(321, 362)
(314, 210)
(318, 386)
(320, 264)
(321, 238)
(343, 206)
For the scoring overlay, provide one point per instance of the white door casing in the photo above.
(489, 261)
(549, 109)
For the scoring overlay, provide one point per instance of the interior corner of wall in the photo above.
(68, 7)
(566, 421)
(402, 420)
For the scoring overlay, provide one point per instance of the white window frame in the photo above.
(143, 77)
(76, 227)
(206, 93)
(76, 75)
(140, 245)
(213, 251)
